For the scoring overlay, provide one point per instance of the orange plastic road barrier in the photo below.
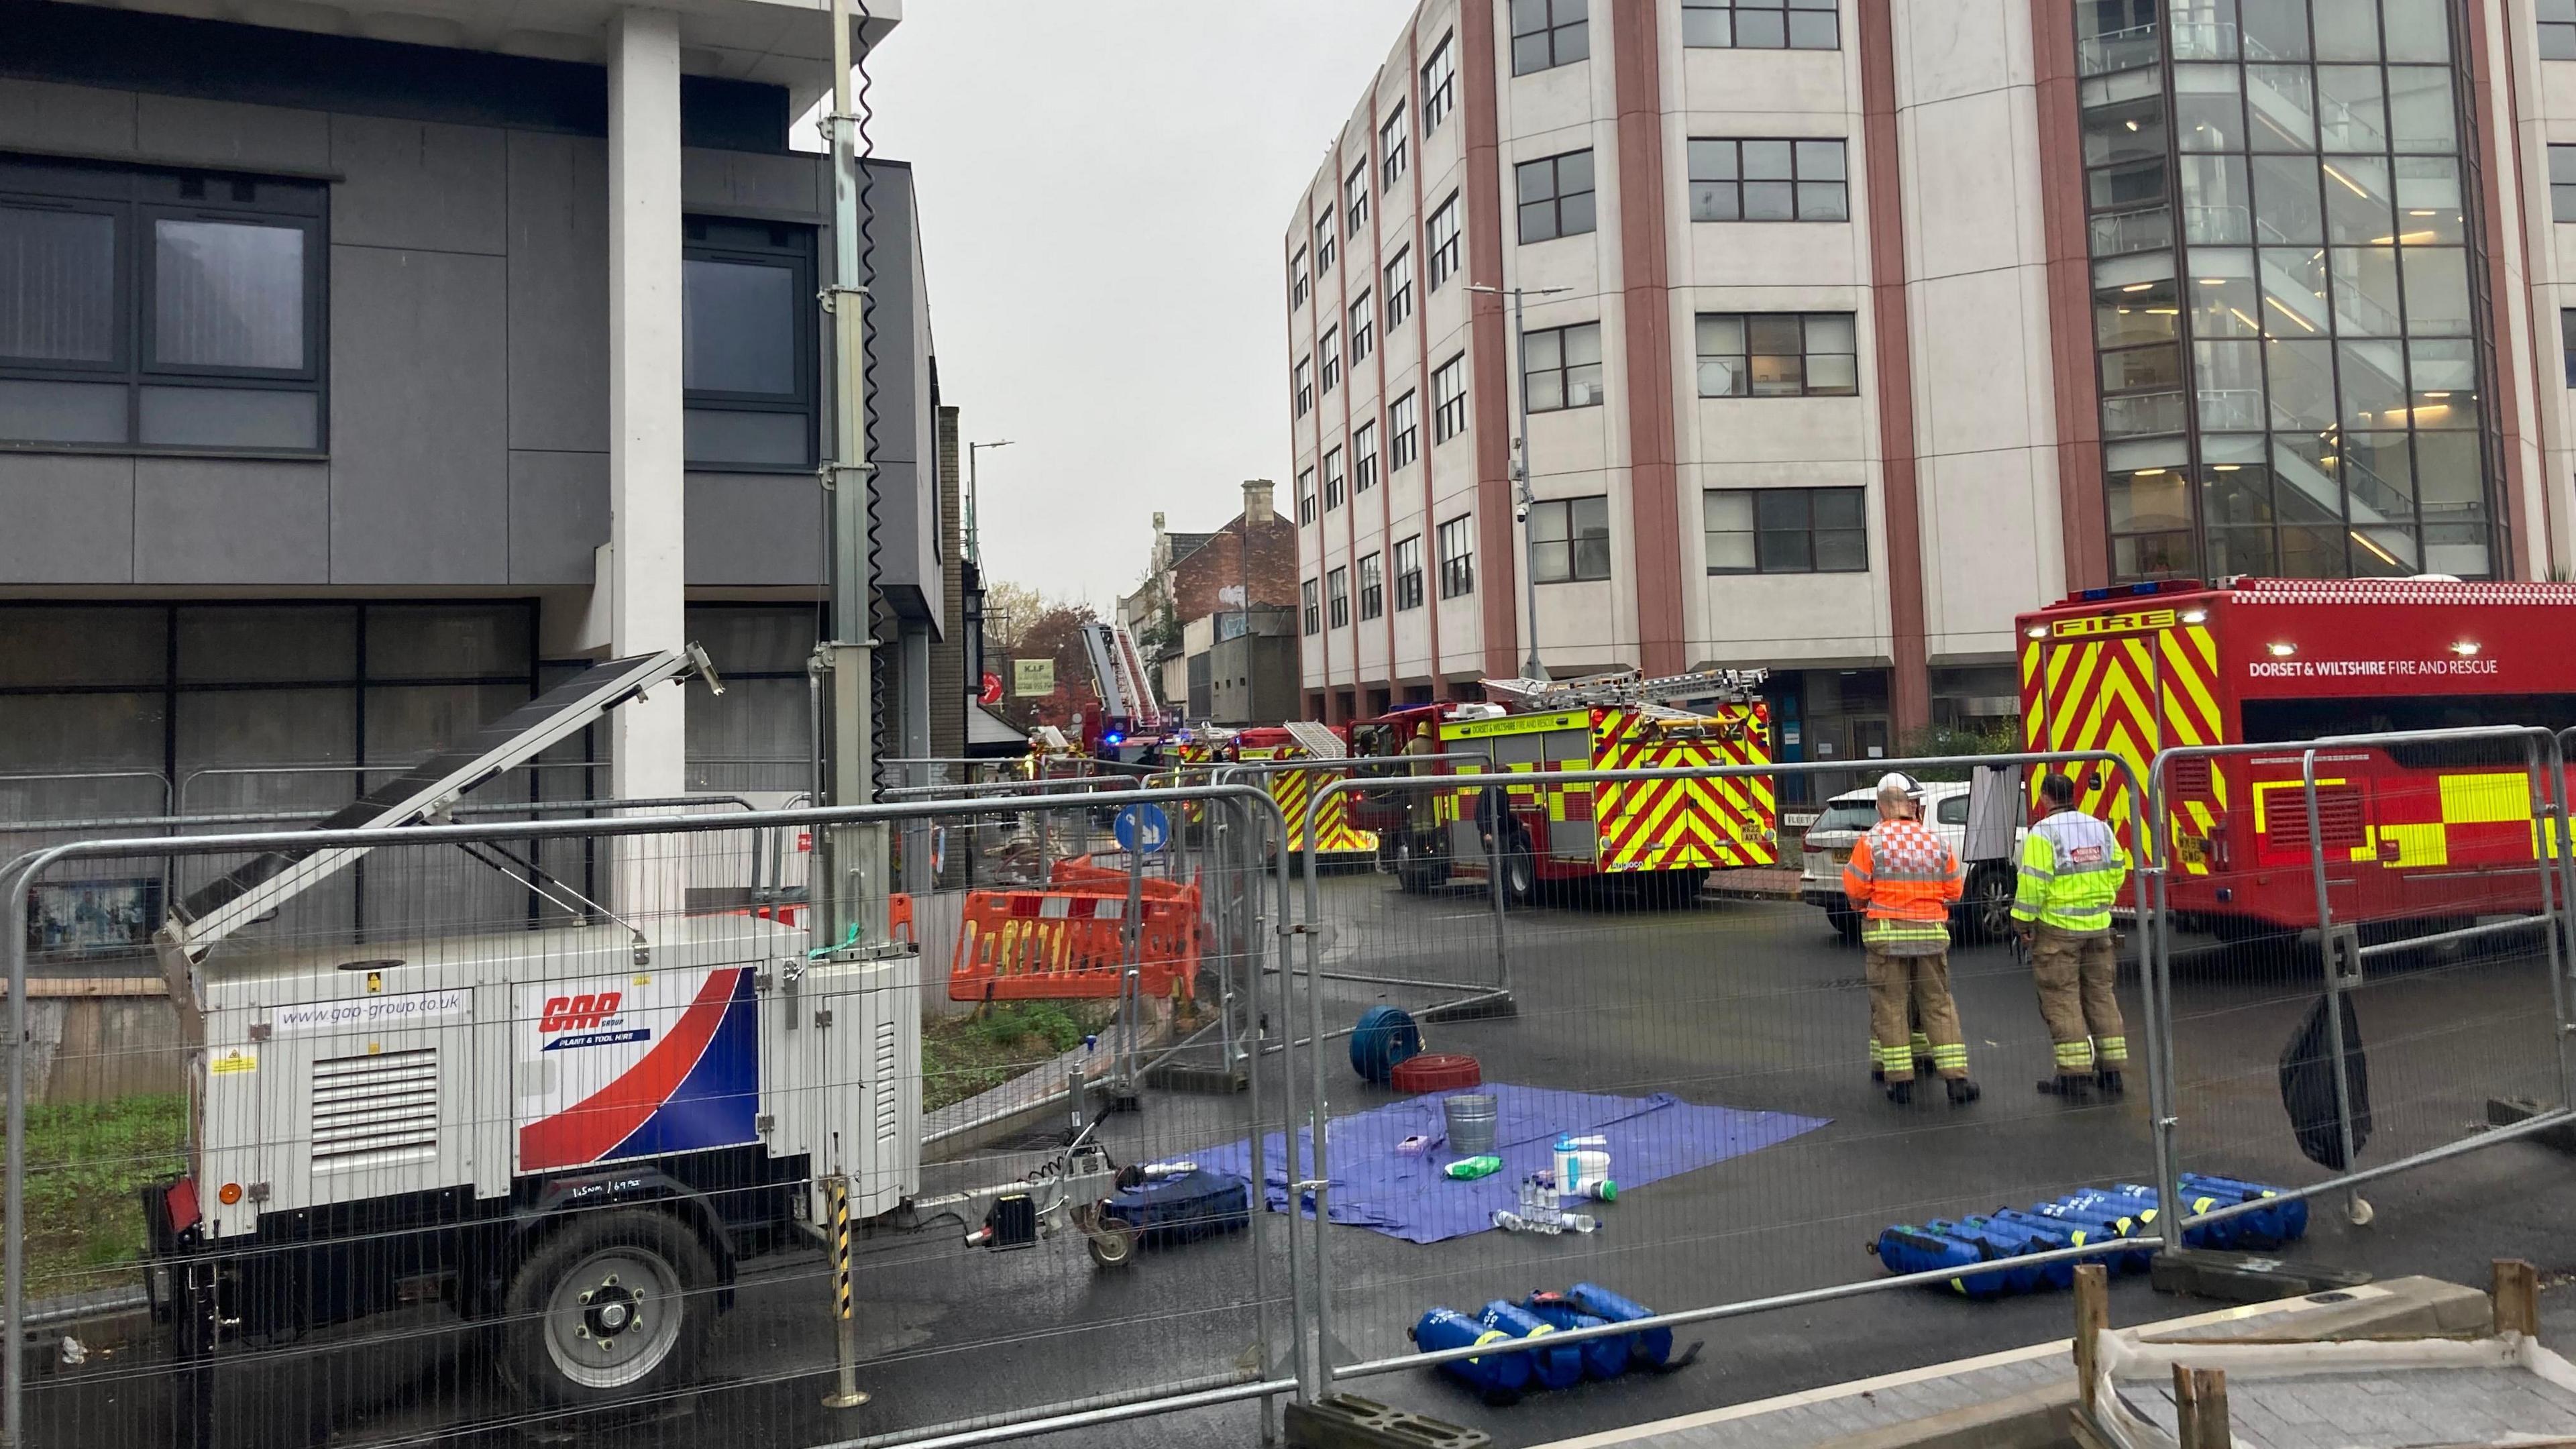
(1066, 942)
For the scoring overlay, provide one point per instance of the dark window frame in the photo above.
(1363, 328)
(1310, 601)
(1565, 555)
(1701, 18)
(1324, 235)
(1807, 352)
(2567, 341)
(1297, 279)
(1439, 86)
(1329, 347)
(792, 248)
(1392, 136)
(2562, 182)
(1444, 248)
(1303, 379)
(1337, 596)
(1449, 400)
(1703, 204)
(1767, 538)
(135, 198)
(1552, 205)
(1457, 543)
(1355, 199)
(1334, 496)
(1372, 587)
(1404, 431)
(1558, 41)
(1399, 290)
(1408, 573)
(1364, 457)
(1305, 496)
(1565, 374)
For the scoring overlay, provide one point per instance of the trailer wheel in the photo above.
(610, 1307)
(1112, 1241)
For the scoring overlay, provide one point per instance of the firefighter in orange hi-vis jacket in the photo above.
(1904, 876)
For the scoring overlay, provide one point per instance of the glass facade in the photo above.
(2288, 319)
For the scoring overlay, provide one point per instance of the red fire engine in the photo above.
(2412, 833)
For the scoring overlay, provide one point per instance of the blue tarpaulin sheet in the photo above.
(1374, 1186)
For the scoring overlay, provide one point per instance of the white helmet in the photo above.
(1896, 788)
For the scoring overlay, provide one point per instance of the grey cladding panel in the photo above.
(66, 520)
(755, 528)
(226, 133)
(720, 183)
(558, 516)
(228, 521)
(416, 184)
(420, 473)
(558, 288)
(46, 117)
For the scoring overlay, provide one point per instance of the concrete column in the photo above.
(645, 587)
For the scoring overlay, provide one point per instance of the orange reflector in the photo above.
(229, 1194)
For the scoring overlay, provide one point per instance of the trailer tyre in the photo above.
(612, 1306)
(1112, 1241)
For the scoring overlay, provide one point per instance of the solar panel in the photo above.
(268, 880)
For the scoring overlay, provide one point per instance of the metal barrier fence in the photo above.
(1717, 1039)
(449, 1180)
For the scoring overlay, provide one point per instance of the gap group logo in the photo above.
(569, 1023)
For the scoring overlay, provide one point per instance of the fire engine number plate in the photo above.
(2192, 849)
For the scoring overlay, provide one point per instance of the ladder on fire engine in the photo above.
(272, 878)
(1118, 672)
(1628, 689)
(1316, 738)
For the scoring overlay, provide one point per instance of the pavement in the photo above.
(1746, 1003)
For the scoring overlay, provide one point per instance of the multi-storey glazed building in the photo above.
(1853, 327)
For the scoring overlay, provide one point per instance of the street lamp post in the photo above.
(972, 495)
(1520, 462)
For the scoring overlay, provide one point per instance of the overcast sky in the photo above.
(1103, 189)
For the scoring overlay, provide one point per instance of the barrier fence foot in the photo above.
(2245, 1277)
(1484, 1008)
(1347, 1421)
(2506, 1111)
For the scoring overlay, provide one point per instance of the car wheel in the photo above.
(1987, 909)
(612, 1306)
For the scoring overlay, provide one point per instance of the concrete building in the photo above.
(364, 366)
(1857, 326)
(1213, 615)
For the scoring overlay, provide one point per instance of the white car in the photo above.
(1984, 913)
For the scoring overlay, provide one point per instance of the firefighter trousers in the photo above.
(2076, 976)
(1924, 981)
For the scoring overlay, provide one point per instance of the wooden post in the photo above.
(2200, 1399)
(2092, 1315)
(2516, 1293)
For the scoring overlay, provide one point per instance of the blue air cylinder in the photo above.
(2023, 1241)
(2047, 1234)
(1557, 1367)
(1496, 1376)
(1605, 1357)
(2226, 1233)
(1652, 1347)
(1906, 1248)
(2103, 1223)
(2018, 1277)
(2285, 1221)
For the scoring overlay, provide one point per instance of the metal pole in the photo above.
(845, 1317)
(1131, 937)
(2544, 807)
(1529, 550)
(1494, 879)
(1318, 1117)
(2354, 1208)
(14, 941)
(2155, 960)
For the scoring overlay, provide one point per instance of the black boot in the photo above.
(2108, 1079)
(1963, 1091)
(1877, 1073)
(2073, 1089)
(1901, 1093)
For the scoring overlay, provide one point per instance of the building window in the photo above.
(1767, 181)
(2567, 342)
(1561, 367)
(1364, 458)
(1405, 433)
(1372, 587)
(1305, 495)
(2562, 183)
(1785, 530)
(1439, 87)
(1297, 279)
(1390, 145)
(1762, 24)
(1399, 289)
(1549, 33)
(1305, 386)
(160, 309)
(1570, 539)
(1457, 558)
(1449, 399)
(1556, 196)
(1337, 595)
(1408, 573)
(1778, 354)
(1442, 238)
(2557, 29)
(1363, 329)
(1324, 242)
(1307, 603)
(1355, 198)
(1330, 345)
(747, 345)
(1332, 480)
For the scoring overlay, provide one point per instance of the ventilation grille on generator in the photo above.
(889, 1063)
(375, 1110)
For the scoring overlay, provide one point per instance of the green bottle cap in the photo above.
(1609, 1191)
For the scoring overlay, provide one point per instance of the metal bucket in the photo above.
(1471, 1122)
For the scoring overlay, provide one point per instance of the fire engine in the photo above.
(2412, 833)
(1665, 836)
(1337, 839)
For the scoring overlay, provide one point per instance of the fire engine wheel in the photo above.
(609, 1307)
(1520, 872)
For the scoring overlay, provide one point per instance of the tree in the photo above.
(1009, 610)
(1053, 631)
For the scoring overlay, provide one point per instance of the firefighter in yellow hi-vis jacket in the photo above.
(2071, 870)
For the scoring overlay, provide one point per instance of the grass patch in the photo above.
(86, 1161)
(964, 1055)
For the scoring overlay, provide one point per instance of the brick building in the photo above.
(1206, 592)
